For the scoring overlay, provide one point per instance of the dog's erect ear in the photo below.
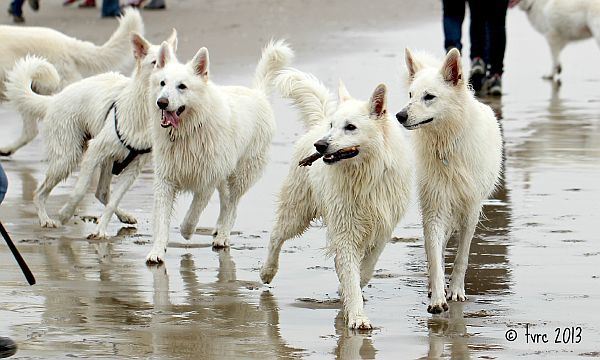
(377, 104)
(452, 69)
(412, 64)
(343, 94)
(140, 46)
(164, 55)
(172, 40)
(200, 63)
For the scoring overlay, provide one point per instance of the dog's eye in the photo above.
(182, 87)
(428, 97)
(162, 83)
(350, 127)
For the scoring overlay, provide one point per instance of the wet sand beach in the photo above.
(534, 262)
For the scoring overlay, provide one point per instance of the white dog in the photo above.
(73, 59)
(561, 22)
(459, 156)
(208, 136)
(81, 112)
(361, 196)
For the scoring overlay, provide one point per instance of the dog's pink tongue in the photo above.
(171, 118)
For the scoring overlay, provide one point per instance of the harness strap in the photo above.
(119, 166)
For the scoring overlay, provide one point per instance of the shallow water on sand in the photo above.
(534, 257)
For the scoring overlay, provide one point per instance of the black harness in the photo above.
(119, 166)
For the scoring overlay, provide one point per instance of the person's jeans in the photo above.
(3, 184)
(112, 8)
(16, 7)
(454, 14)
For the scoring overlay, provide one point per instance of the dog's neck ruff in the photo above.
(119, 166)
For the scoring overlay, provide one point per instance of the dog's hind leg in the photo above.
(557, 44)
(294, 214)
(188, 226)
(124, 182)
(103, 192)
(367, 265)
(29, 132)
(457, 280)
(55, 174)
(347, 266)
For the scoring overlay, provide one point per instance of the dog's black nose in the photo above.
(402, 116)
(322, 146)
(162, 103)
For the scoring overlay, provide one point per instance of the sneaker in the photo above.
(156, 5)
(7, 347)
(477, 73)
(88, 4)
(493, 85)
(34, 4)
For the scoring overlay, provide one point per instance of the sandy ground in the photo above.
(534, 260)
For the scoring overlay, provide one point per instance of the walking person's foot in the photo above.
(156, 5)
(7, 347)
(493, 85)
(477, 74)
(88, 4)
(34, 4)
(134, 3)
(17, 19)
(69, 2)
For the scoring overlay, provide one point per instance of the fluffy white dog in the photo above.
(73, 59)
(459, 157)
(561, 22)
(360, 190)
(208, 137)
(80, 112)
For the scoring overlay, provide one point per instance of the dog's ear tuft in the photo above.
(140, 46)
(343, 94)
(377, 104)
(164, 55)
(172, 40)
(412, 64)
(452, 68)
(200, 63)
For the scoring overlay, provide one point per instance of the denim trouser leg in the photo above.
(454, 14)
(110, 7)
(3, 183)
(496, 27)
(16, 7)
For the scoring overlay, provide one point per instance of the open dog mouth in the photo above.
(171, 118)
(345, 153)
(414, 126)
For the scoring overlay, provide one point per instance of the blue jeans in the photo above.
(3, 183)
(16, 7)
(110, 8)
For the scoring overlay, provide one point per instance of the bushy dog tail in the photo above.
(308, 94)
(275, 56)
(114, 53)
(29, 73)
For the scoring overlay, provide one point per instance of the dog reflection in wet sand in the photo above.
(459, 154)
(360, 188)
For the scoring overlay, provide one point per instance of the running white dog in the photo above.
(73, 59)
(561, 22)
(81, 112)
(360, 195)
(459, 156)
(208, 137)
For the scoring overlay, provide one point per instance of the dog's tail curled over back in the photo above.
(29, 73)
(275, 56)
(309, 95)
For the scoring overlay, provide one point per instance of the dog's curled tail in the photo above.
(29, 73)
(309, 95)
(275, 56)
(116, 52)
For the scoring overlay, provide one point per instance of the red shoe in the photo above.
(69, 2)
(88, 4)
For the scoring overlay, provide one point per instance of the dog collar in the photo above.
(119, 166)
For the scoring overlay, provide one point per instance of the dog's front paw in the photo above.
(98, 235)
(267, 273)
(359, 322)
(65, 214)
(456, 292)
(187, 231)
(49, 223)
(155, 256)
(6, 152)
(437, 306)
(220, 241)
(126, 218)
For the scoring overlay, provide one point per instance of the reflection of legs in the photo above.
(294, 213)
(457, 282)
(347, 266)
(164, 197)
(227, 271)
(453, 16)
(369, 261)
(29, 132)
(124, 182)
(103, 193)
(188, 226)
